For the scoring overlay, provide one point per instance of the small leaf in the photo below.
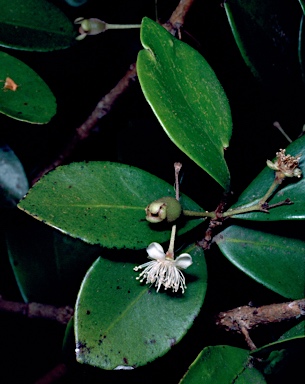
(34, 25)
(13, 181)
(222, 364)
(274, 261)
(142, 324)
(186, 97)
(103, 203)
(292, 188)
(32, 101)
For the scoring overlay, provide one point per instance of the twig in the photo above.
(102, 109)
(178, 16)
(37, 310)
(243, 319)
(205, 243)
(106, 103)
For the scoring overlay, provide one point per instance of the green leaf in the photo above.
(274, 261)
(76, 3)
(187, 98)
(302, 4)
(13, 182)
(222, 364)
(122, 323)
(294, 335)
(103, 203)
(274, 355)
(30, 251)
(48, 265)
(301, 48)
(264, 37)
(294, 332)
(292, 188)
(34, 25)
(32, 101)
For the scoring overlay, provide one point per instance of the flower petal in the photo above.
(183, 261)
(155, 251)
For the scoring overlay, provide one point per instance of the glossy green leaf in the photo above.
(186, 97)
(34, 25)
(32, 101)
(13, 181)
(292, 188)
(222, 364)
(274, 261)
(103, 203)
(121, 323)
(264, 37)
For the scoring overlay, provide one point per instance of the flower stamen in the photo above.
(164, 270)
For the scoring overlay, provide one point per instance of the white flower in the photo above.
(164, 270)
(286, 164)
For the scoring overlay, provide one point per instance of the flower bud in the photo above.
(90, 26)
(167, 208)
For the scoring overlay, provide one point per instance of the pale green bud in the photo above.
(90, 26)
(167, 208)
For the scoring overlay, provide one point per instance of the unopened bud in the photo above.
(167, 208)
(91, 26)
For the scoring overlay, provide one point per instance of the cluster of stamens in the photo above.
(286, 164)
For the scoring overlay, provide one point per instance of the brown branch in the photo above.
(243, 319)
(205, 243)
(177, 18)
(106, 103)
(102, 109)
(37, 310)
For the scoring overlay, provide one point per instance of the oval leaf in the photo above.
(103, 203)
(222, 364)
(292, 188)
(274, 261)
(186, 97)
(13, 181)
(32, 101)
(34, 25)
(143, 324)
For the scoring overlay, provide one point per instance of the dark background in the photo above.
(79, 77)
